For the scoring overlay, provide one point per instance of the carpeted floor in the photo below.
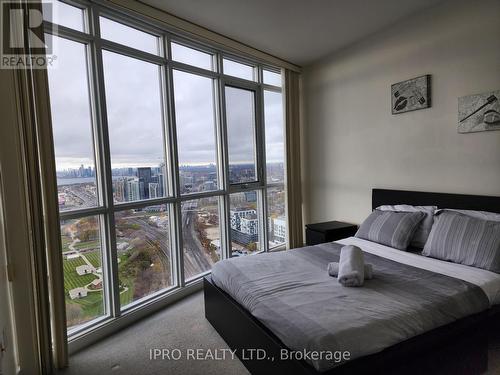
(180, 326)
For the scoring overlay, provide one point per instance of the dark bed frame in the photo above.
(460, 347)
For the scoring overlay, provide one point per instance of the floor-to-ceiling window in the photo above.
(169, 157)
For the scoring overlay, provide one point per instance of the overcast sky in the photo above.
(134, 113)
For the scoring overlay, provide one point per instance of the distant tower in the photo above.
(154, 189)
(133, 190)
(144, 175)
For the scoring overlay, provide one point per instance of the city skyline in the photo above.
(181, 166)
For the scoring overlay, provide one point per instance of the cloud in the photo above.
(135, 114)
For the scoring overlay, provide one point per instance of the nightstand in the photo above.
(328, 232)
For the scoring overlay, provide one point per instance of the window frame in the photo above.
(107, 208)
(257, 135)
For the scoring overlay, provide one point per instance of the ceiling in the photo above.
(299, 31)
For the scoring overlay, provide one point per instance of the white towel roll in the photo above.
(351, 266)
(333, 270)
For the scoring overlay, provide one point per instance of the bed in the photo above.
(441, 328)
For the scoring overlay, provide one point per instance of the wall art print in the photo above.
(411, 95)
(480, 112)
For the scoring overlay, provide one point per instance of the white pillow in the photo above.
(483, 215)
(424, 229)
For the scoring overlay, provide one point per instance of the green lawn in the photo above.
(71, 279)
(94, 257)
(89, 308)
(88, 245)
(127, 297)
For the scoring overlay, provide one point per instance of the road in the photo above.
(78, 196)
(196, 260)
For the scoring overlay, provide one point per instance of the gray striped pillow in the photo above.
(394, 229)
(466, 240)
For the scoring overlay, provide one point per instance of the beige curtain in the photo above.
(293, 179)
(49, 217)
(30, 90)
(41, 176)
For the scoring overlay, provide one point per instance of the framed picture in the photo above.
(411, 94)
(480, 112)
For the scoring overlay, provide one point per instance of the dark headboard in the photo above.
(441, 200)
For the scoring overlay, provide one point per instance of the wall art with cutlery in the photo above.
(479, 112)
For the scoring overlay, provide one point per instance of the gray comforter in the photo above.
(292, 294)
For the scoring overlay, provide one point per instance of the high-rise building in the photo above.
(161, 183)
(144, 175)
(236, 216)
(161, 179)
(120, 187)
(81, 171)
(154, 190)
(244, 226)
(249, 225)
(133, 190)
(279, 229)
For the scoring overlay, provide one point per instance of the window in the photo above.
(165, 164)
(83, 273)
(240, 117)
(196, 132)
(271, 78)
(143, 252)
(275, 140)
(120, 33)
(200, 235)
(245, 221)
(135, 123)
(277, 232)
(72, 127)
(236, 69)
(191, 56)
(64, 14)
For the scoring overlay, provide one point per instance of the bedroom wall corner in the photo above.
(351, 141)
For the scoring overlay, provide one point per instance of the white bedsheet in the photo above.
(488, 281)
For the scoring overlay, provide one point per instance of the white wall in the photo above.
(352, 143)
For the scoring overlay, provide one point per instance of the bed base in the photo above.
(457, 348)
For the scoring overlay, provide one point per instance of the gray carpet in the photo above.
(182, 325)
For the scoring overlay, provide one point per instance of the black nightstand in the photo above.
(328, 232)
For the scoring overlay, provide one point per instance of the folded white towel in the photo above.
(333, 270)
(351, 266)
